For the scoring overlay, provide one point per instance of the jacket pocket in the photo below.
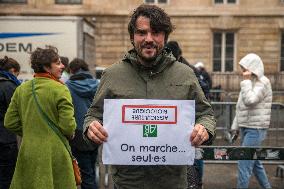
(178, 91)
(120, 93)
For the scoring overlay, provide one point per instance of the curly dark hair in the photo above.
(174, 47)
(65, 62)
(76, 64)
(41, 58)
(7, 63)
(159, 20)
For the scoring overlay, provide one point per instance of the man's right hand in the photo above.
(97, 133)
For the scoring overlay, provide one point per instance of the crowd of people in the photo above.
(59, 113)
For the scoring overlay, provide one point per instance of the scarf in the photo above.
(47, 75)
(10, 76)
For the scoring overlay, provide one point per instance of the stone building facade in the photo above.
(216, 32)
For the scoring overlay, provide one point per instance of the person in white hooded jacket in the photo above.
(253, 111)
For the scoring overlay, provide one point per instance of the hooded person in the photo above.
(253, 111)
(82, 87)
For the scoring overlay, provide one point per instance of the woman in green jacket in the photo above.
(43, 161)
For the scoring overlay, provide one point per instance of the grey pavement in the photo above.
(223, 176)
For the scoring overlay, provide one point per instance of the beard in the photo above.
(147, 52)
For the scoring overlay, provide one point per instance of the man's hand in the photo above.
(198, 135)
(97, 133)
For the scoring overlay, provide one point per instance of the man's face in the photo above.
(147, 42)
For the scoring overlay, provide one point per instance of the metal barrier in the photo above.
(232, 153)
(225, 113)
(221, 154)
(220, 95)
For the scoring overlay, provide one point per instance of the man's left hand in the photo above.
(198, 135)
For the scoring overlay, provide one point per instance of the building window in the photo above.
(282, 53)
(156, 1)
(225, 1)
(223, 51)
(13, 1)
(68, 1)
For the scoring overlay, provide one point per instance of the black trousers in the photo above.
(87, 162)
(194, 180)
(8, 159)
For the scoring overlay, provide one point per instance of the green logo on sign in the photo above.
(150, 130)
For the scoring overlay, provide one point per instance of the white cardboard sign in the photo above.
(148, 132)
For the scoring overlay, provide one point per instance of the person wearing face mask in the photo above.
(9, 70)
(43, 160)
(148, 71)
(253, 111)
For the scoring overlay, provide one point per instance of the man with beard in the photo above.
(150, 72)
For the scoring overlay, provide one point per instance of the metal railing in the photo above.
(220, 95)
(225, 113)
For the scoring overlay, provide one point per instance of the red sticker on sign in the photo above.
(149, 114)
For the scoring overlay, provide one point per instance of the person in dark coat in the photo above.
(174, 48)
(195, 172)
(204, 74)
(9, 70)
(83, 87)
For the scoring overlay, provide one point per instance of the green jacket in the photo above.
(168, 79)
(43, 161)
